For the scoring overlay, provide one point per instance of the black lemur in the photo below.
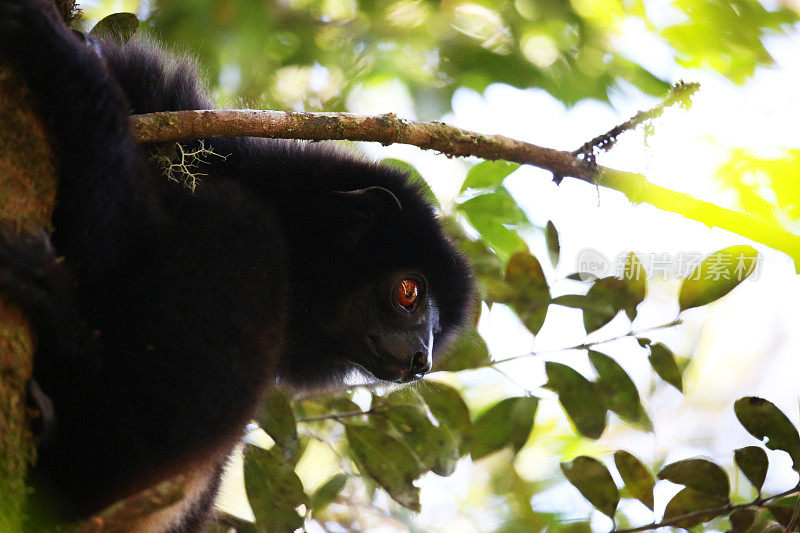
(292, 263)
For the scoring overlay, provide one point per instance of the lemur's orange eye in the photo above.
(408, 293)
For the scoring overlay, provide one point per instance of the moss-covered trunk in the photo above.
(27, 193)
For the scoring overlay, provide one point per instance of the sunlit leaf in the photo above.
(507, 423)
(579, 397)
(576, 301)
(753, 463)
(274, 490)
(435, 447)
(619, 392)
(594, 482)
(717, 275)
(783, 509)
(763, 420)
(582, 276)
(488, 174)
(735, 55)
(277, 419)
(532, 294)
(387, 461)
(414, 178)
(449, 409)
(663, 362)
(328, 492)
(604, 300)
(551, 237)
(692, 501)
(741, 520)
(496, 216)
(699, 474)
(468, 351)
(635, 276)
(638, 479)
(118, 26)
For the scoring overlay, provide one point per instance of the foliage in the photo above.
(367, 446)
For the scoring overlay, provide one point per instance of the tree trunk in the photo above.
(27, 194)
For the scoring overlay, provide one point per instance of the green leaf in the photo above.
(414, 178)
(610, 295)
(328, 492)
(582, 276)
(663, 362)
(448, 408)
(468, 351)
(606, 297)
(698, 474)
(741, 520)
(553, 247)
(689, 501)
(278, 420)
(618, 390)
(532, 295)
(635, 277)
(119, 26)
(579, 397)
(435, 448)
(717, 275)
(507, 423)
(753, 463)
(638, 479)
(763, 420)
(387, 461)
(496, 215)
(576, 301)
(783, 509)
(594, 482)
(488, 174)
(274, 490)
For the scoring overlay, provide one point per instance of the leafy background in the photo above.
(487, 446)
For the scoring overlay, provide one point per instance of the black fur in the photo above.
(194, 302)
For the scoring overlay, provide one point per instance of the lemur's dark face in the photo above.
(391, 327)
(391, 294)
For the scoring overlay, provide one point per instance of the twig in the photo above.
(582, 346)
(681, 92)
(513, 381)
(338, 416)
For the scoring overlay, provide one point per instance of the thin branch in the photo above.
(451, 141)
(338, 416)
(581, 346)
(716, 511)
(681, 92)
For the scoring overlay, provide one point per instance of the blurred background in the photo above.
(556, 73)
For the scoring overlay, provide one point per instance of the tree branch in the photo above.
(133, 509)
(451, 141)
(726, 509)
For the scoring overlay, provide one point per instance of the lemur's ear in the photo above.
(371, 198)
(361, 210)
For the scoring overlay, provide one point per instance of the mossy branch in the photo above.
(452, 141)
